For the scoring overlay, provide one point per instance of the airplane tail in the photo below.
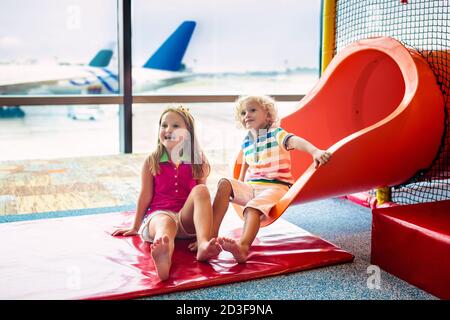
(170, 54)
(103, 57)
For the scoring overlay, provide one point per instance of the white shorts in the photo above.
(261, 196)
(181, 232)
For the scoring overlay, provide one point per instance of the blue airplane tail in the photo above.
(170, 54)
(102, 58)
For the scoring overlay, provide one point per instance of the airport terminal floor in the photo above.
(37, 186)
(36, 189)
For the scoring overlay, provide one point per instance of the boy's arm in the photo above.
(297, 143)
(244, 168)
(320, 156)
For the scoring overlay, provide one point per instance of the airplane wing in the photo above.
(163, 68)
(20, 79)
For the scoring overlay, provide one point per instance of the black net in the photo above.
(422, 25)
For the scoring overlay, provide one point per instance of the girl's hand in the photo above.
(193, 246)
(125, 232)
(320, 157)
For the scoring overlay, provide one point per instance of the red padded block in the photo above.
(77, 258)
(413, 243)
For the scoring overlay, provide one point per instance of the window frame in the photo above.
(125, 98)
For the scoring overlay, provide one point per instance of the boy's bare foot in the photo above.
(239, 252)
(208, 250)
(160, 256)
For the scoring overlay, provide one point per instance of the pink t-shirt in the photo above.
(172, 186)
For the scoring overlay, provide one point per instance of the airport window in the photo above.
(218, 133)
(59, 80)
(58, 47)
(60, 131)
(225, 47)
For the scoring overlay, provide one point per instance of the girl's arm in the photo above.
(320, 156)
(145, 197)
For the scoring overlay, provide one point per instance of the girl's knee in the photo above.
(201, 191)
(162, 224)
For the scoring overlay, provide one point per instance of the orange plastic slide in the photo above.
(378, 109)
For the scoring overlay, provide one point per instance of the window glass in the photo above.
(58, 47)
(217, 131)
(59, 131)
(225, 47)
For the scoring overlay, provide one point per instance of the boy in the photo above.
(265, 173)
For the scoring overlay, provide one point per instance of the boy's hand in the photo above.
(125, 232)
(320, 157)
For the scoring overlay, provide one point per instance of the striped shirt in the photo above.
(268, 159)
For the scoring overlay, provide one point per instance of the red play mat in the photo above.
(77, 258)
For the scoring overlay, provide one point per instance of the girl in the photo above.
(174, 198)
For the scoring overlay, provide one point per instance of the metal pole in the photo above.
(125, 76)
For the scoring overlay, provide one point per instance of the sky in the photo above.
(231, 35)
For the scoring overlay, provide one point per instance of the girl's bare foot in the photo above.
(207, 250)
(192, 246)
(160, 256)
(239, 252)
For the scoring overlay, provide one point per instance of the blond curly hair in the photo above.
(267, 103)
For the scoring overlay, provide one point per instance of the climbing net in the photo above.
(422, 25)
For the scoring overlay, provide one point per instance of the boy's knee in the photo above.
(252, 212)
(224, 187)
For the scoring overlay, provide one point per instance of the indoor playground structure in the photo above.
(411, 235)
(373, 91)
(381, 107)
